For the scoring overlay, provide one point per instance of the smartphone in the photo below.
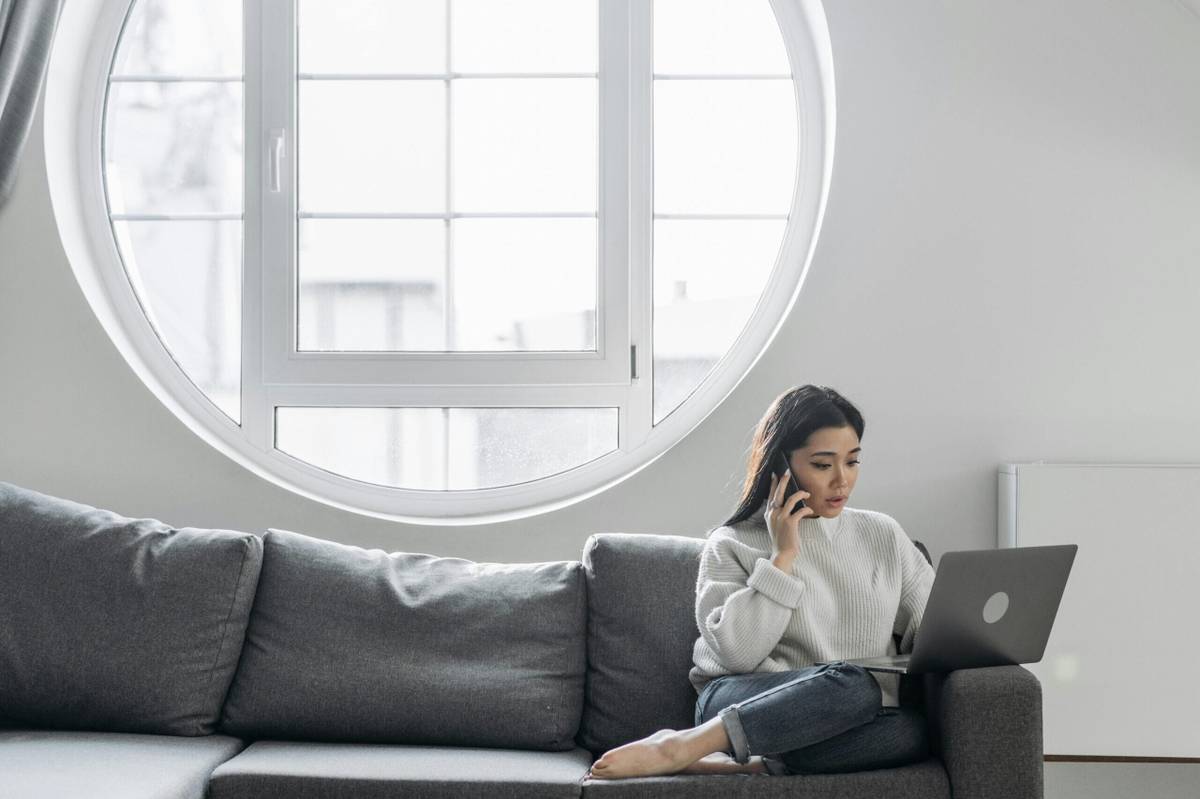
(793, 486)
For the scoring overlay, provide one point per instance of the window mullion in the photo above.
(276, 92)
(637, 34)
(615, 314)
(450, 310)
(449, 314)
(399, 396)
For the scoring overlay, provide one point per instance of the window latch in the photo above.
(275, 153)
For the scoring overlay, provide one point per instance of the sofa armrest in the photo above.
(986, 725)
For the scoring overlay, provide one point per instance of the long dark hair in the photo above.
(786, 426)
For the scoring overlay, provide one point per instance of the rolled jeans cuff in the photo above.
(737, 735)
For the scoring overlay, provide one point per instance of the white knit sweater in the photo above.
(857, 580)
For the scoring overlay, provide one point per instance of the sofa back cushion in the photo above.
(641, 630)
(117, 624)
(350, 644)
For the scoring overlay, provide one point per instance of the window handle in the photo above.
(275, 153)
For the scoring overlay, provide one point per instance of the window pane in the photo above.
(525, 36)
(372, 146)
(708, 276)
(182, 37)
(439, 449)
(717, 37)
(372, 36)
(372, 284)
(188, 277)
(525, 145)
(724, 146)
(174, 147)
(525, 284)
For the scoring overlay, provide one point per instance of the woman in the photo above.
(792, 579)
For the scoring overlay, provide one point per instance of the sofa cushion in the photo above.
(300, 770)
(350, 644)
(924, 780)
(641, 630)
(50, 764)
(110, 623)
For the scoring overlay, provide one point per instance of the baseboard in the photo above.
(1095, 759)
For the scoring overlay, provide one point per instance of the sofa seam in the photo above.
(581, 576)
(588, 575)
(237, 586)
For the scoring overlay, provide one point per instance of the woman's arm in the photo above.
(916, 580)
(742, 615)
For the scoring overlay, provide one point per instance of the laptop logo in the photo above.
(995, 608)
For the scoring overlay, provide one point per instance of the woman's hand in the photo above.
(782, 522)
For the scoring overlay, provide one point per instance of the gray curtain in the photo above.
(26, 30)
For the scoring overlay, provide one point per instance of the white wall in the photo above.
(1009, 271)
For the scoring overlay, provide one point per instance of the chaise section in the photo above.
(52, 764)
(299, 770)
(116, 624)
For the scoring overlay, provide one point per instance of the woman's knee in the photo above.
(863, 697)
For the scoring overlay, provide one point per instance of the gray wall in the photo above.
(1009, 270)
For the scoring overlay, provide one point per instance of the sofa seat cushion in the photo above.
(355, 645)
(924, 780)
(304, 770)
(108, 765)
(116, 624)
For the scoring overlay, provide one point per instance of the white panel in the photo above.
(363, 36)
(1006, 507)
(1118, 677)
(529, 36)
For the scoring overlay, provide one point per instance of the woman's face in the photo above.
(827, 468)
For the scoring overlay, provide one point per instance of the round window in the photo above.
(447, 259)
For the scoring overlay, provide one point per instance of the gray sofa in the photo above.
(139, 660)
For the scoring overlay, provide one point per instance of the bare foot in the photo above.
(659, 753)
(721, 763)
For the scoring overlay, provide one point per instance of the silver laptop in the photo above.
(988, 607)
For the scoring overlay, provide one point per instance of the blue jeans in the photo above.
(815, 720)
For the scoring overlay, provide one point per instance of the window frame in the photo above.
(79, 92)
(274, 78)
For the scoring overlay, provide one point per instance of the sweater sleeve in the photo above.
(742, 615)
(916, 580)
